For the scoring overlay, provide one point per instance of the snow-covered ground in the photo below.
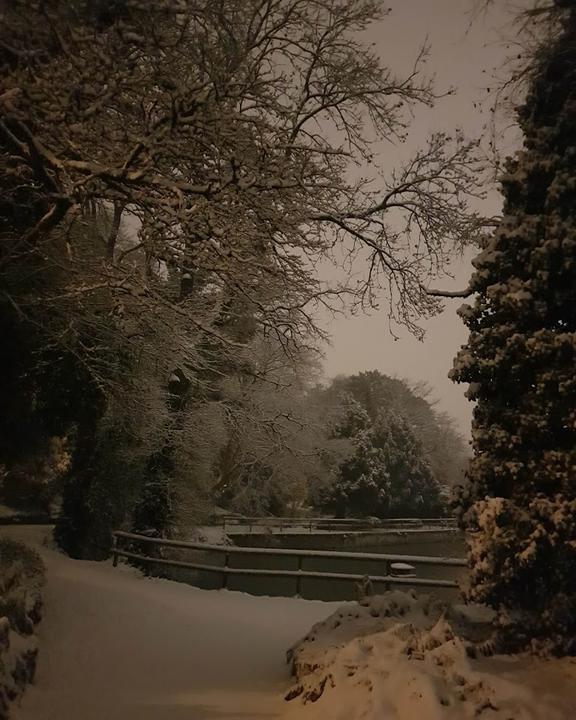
(210, 534)
(117, 646)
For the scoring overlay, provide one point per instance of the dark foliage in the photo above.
(519, 506)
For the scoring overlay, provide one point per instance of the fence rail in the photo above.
(387, 559)
(335, 524)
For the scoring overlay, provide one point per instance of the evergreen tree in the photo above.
(519, 507)
(100, 488)
(153, 513)
(375, 394)
(387, 476)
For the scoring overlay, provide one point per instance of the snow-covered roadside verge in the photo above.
(21, 583)
(401, 657)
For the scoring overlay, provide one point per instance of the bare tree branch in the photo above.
(450, 293)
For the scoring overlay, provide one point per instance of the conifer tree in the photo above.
(387, 475)
(519, 506)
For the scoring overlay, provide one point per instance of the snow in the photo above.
(209, 534)
(117, 646)
(405, 657)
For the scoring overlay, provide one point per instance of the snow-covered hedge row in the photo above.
(21, 582)
(400, 656)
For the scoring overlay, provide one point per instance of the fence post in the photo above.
(387, 586)
(299, 578)
(225, 573)
(147, 569)
(148, 562)
(114, 550)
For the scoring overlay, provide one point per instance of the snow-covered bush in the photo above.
(21, 582)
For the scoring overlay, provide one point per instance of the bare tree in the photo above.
(173, 174)
(230, 129)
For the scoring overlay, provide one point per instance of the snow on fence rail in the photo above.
(281, 523)
(388, 560)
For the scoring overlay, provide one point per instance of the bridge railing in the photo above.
(133, 547)
(280, 524)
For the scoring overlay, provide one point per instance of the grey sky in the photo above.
(463, 55)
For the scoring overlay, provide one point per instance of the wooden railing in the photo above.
(335, 524)
(387, 579)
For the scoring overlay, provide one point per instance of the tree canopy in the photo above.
(173, 175)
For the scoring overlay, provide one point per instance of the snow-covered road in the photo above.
(117, 646)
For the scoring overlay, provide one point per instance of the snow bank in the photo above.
(21, 582)
(405, 657)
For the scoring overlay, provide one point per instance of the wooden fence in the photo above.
(387, 579)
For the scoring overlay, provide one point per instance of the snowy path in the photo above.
(116, 646)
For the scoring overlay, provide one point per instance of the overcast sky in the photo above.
(463, 55)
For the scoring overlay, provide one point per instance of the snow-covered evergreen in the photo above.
(387, 475)
(519, 507)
